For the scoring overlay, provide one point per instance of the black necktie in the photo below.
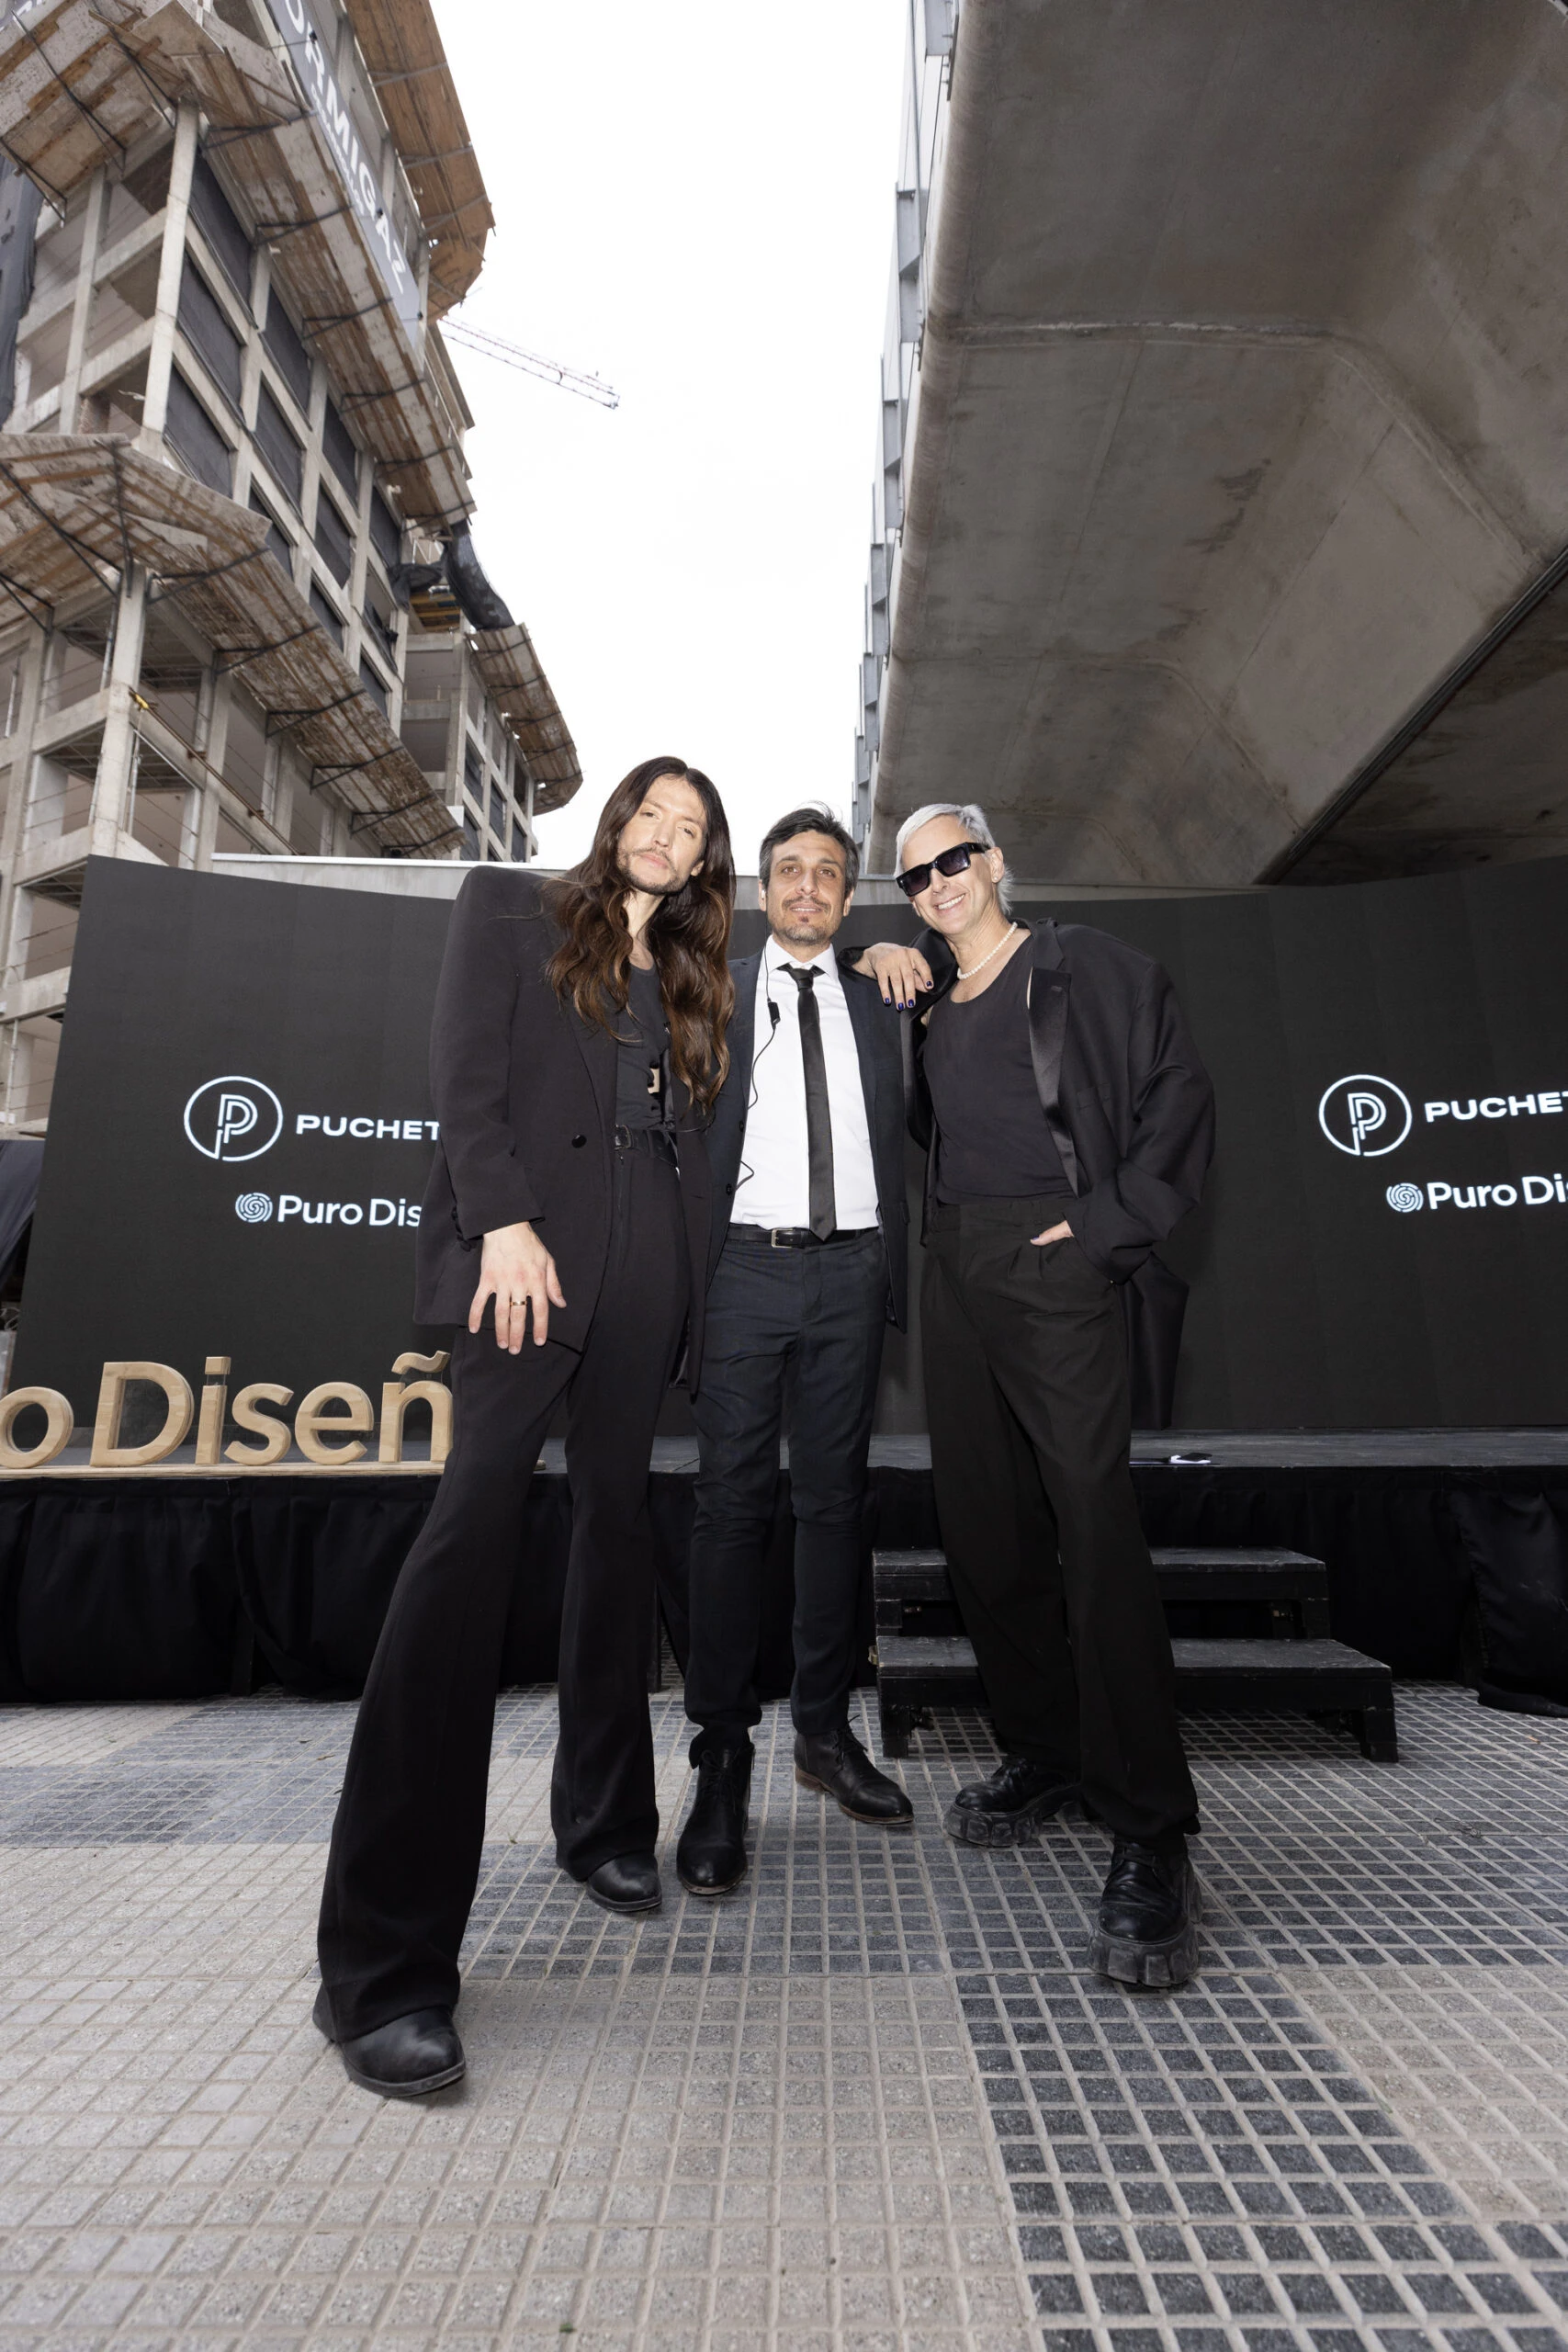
(819, 1118)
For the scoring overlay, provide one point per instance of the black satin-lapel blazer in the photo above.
(524, 1092)
(1128, 1101)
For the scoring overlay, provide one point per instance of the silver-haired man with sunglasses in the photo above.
(1068, 1124)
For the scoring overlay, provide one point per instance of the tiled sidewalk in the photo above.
(873, 2102)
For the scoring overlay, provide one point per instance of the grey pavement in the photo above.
(873, 2101)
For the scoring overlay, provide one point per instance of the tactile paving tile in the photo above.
(1206, 2166)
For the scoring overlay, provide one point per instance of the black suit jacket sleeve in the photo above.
(471, 1064)
(1168, 1141)
(1133, 1090)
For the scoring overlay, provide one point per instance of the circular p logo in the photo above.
(233, 1118)
(1364, 1116)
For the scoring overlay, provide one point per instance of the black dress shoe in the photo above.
(711, 1856)
(404, 2059)
(628, 1883)
(1148, 1915)
(1007, 1807)
(835, 1762)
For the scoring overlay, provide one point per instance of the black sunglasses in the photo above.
(915, 878)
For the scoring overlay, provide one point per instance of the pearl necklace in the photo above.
(996, 951)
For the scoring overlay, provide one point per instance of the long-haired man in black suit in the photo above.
(577, 1044)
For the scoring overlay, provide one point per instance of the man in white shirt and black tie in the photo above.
(806, 1156)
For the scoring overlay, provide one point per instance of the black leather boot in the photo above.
(404, 2059)
(835, 1762)
(711, 1856)
(627, 1882)
(1007, 1807)
(1148, 1915)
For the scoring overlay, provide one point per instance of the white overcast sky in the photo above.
(694, 203)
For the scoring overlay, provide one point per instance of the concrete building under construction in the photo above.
(240, 606)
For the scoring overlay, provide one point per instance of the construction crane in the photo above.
(530, 363)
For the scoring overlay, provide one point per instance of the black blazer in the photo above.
(524, 1091)
(876, 1036)
(1129, 1103)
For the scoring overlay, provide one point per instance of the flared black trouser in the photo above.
(409, 1829)
(1027, 1397)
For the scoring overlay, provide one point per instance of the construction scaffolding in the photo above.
(231, 466)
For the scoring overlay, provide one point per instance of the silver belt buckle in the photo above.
(773, 1233)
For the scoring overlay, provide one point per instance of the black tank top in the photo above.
(993, 1142)
(642, 1041)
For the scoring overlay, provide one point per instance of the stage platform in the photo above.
(176, 1583)
(1333, 1450)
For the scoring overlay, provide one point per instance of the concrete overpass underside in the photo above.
(1235, 486)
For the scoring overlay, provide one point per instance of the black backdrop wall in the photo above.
(190, 1206)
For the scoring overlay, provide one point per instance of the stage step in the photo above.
(918, 1666)
(1286, 1592)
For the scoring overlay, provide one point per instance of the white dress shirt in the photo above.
(774, 1186)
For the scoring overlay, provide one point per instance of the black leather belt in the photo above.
(798, 1236)
(658, 1143)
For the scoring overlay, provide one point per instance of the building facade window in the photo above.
(386, 531)
(334, 541)
(278, 447)
(280, 546)
(338, 449)
(222, 228)
(326, 612)
(202, 322)
(285, 351)
(191, 431)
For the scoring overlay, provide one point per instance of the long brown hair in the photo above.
(688, 933)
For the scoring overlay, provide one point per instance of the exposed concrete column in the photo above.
(112, 791)
(171, 269)
(285, 783)
(360, 564)
(81, 306)
(14, 907)
(210, 808)
(422, 273)
(12, 833)
(250, 376)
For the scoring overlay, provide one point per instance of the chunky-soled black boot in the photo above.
(404, 2059)
(711, 1856)
(1007, 1807)
(1148, 1915)
(835, 1762)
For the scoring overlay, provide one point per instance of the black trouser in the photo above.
(797, 1332)
(1026, 1393)
(409, 1828)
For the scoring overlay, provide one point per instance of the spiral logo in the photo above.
(254, 1208)
(1403, 1197)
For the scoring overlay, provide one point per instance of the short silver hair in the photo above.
(973, 817)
